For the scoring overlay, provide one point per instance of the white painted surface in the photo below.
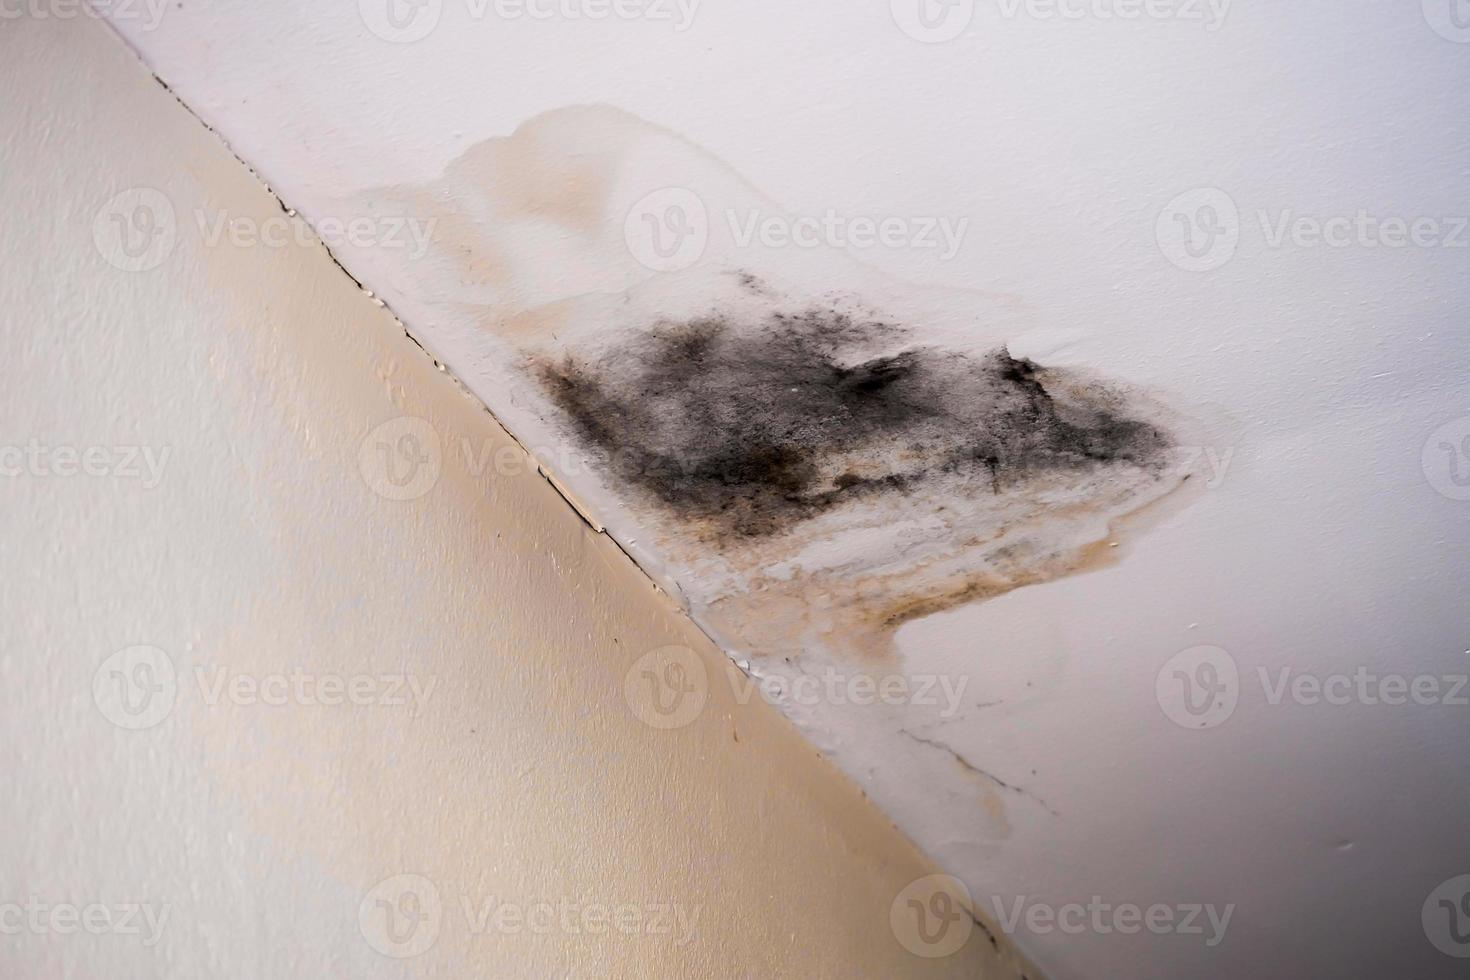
(262, 690)
(1325, 546)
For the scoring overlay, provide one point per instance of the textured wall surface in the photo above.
(307, 672)
(1171, 196)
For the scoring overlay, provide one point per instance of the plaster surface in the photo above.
(1329, 541)
(279, 704)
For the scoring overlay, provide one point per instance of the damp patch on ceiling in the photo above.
(808, 452)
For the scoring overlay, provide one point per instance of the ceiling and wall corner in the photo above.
(1315, 378)
(278, 706)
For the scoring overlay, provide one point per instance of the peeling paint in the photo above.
(810, 453)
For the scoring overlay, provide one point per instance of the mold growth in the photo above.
(802, 451)
(807, 452)
(745, 426)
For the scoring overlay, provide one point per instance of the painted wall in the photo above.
(308, 671)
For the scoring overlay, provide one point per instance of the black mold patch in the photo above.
(753, 427)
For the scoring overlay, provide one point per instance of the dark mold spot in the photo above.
(754, 426)
(753, 283)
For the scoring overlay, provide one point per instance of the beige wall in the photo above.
(224, 539)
